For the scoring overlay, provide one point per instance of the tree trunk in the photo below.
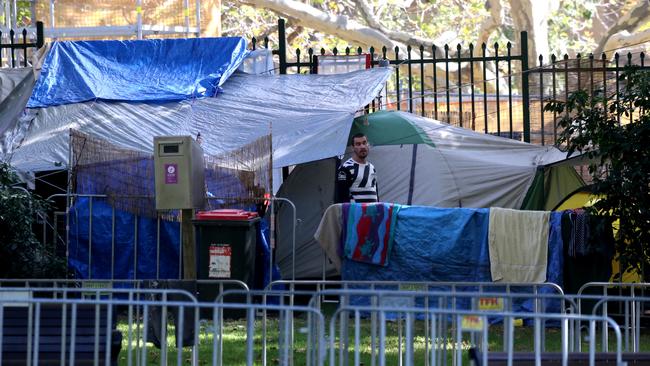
(336, 25)
(211, 15)
(626, 39)
(532, 16)
(628, 22)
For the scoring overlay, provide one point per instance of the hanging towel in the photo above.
(328, 234)
(518, 245)
(369, 229)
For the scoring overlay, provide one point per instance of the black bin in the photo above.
(226, 242)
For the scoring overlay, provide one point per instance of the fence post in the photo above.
(525, 86)
(282, 46)
(40, 35)
(138, 26)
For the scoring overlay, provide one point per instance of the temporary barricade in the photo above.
(137, 328)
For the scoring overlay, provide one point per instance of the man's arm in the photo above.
(342, 187)
(377, 190)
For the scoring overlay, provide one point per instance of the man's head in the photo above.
(360, 147)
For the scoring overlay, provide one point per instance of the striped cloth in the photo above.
(368, 230)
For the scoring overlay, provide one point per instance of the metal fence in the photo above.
(627, 302)
(18, 45)
(54, 230)
(75, 325)
(77, 329)
(494, 89)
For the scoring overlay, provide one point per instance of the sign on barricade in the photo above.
(490, 304)
(472, 323)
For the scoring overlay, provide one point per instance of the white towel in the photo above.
(518, 243)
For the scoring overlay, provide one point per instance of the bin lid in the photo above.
(226, 214)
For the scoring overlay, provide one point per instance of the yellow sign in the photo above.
(138, 9)
(472, 323)
(490, 304)
(412, 287)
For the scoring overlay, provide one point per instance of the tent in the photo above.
(421, 161)
(15, 88)
(301, 111)
(113, 91)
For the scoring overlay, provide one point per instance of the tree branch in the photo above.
(296, 32)
(406, 38)
(375, 34)
(491, 23)
(626, 39)
(336, 25)
(627, 22)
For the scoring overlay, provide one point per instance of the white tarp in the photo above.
(464, 169)
(310, 117)
(15, 88)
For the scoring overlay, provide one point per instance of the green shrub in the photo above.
(620, 153)
(21, 254)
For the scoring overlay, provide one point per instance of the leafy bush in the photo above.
(21, 254)
(620, 153)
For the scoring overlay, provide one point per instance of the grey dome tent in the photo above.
(421, 161)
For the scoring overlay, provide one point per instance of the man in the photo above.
(356, 178)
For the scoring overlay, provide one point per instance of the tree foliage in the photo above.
(21, 254)
(572, 26)
(620, 158)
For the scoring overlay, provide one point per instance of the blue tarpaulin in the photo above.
(449, 245)
(432, 244)
(130, 259)
(98, 260)
(136, 71)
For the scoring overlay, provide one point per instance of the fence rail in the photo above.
(494, 89)
(17, 44)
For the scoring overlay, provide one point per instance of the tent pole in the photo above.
(272, 205)
(68, 197)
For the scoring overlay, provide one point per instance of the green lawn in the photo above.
(234, 343)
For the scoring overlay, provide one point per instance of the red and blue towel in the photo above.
(368, 230)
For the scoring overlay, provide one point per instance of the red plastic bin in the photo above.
(226, 215)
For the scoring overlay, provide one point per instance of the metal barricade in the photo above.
(452, 287)
(208, 347)
(631, 323)
(222, 285)
(463, 321)
(629, 301)
(488, 302)
(135, 317)
(65, 238)
(274, 297)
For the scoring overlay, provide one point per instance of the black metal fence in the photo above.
(16, 47)
(493, 89)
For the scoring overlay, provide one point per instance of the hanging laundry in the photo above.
(576, 224)
(589, 250)
(368, 231)
(518, 245)
(328, 234)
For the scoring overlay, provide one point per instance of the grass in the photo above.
(234, 343)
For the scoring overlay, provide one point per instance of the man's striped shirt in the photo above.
(360, 181)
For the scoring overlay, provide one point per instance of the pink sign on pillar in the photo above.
(171, 173)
